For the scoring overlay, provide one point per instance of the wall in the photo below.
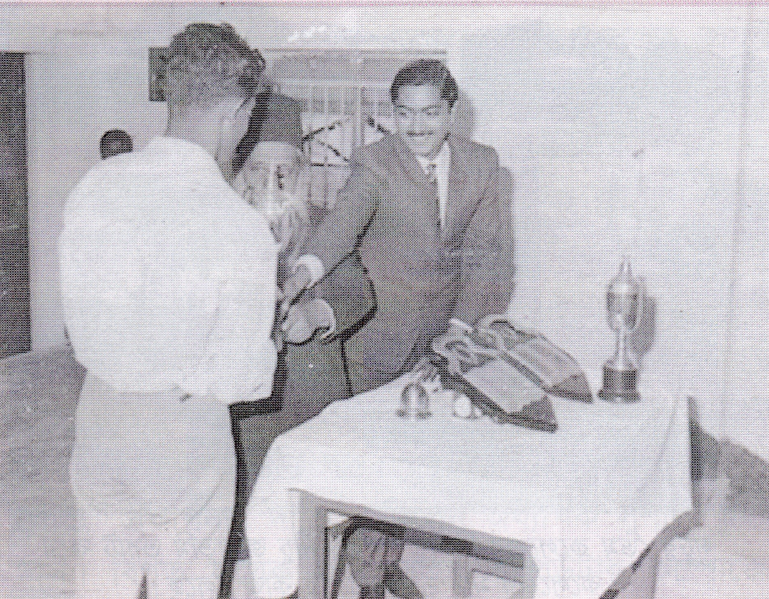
(621, 125)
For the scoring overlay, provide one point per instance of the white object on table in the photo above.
(588, 498)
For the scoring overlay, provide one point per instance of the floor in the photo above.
(37, 548)
(37, 519)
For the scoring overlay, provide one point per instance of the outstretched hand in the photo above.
(302, 320)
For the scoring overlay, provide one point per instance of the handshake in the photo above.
(299, 317)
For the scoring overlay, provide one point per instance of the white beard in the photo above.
(286, 213)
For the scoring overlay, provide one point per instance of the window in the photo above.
(345, 99)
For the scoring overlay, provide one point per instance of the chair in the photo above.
(468, 557)
(727, 554)
(638, 580)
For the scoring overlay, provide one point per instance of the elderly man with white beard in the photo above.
(311, 371)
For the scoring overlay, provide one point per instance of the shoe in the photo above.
(400, 585)
(374, 592)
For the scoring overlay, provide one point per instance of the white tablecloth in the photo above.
(588, 498)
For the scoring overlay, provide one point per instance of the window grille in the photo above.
(345, 102)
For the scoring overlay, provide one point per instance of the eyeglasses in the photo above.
(262, 171)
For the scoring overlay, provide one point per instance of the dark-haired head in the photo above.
(426, 72)
(208, 63)
(114, 142)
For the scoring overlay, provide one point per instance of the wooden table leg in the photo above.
(530, 572)
(462, 576)
(312, 541)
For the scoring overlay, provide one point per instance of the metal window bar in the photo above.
(345, 103)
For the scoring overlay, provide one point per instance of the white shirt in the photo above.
(442, 162)
(168, 276)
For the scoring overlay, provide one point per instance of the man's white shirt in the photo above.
(168, 276)
(442, 162)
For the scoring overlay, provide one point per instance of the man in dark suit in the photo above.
(422, 208)
(274, 180)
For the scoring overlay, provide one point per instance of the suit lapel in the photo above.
(456, 201)
(457, 194)
(418, 180)
(408, 161)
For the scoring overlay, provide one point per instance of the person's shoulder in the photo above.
(280, 100)
(474, 150)
(376, 156)
(100, 177)
(383, 149)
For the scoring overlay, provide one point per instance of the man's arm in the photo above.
(337, 234)
(339, 303)
(349, 293)
(487, 268)
(240, 356)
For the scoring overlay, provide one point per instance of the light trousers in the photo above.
(153, 476)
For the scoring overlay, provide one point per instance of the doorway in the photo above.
(14, 243)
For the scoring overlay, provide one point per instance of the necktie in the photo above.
(433, 179)
(430, 172)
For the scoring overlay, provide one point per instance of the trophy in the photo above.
(624, 307)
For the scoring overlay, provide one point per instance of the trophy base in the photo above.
(619, 385)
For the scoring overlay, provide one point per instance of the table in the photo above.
(471, 550)
(587, 499)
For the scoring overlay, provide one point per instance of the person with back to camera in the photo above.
(272, 175)
(168, 283)
(422, 208)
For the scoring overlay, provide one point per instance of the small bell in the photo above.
(415, 402)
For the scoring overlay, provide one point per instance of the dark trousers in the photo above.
(374, 546)
(308, 377)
